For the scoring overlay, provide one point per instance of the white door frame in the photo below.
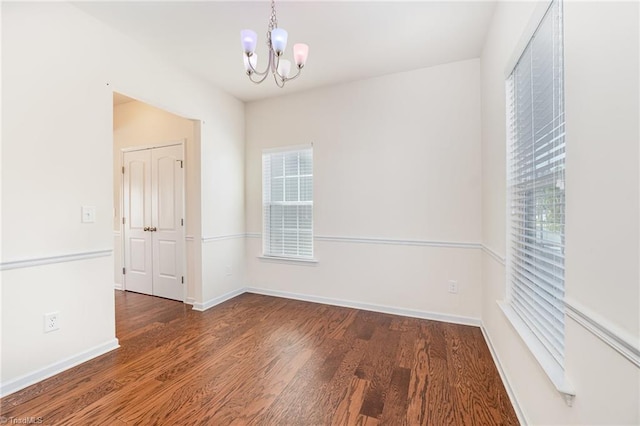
(181, 143)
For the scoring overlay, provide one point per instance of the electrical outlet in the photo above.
(51, 321)
(453, 287)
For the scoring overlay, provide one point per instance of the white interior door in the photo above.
(138, 267)
(166, 217)
(153, 224)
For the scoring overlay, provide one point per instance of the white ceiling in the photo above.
(348, 40)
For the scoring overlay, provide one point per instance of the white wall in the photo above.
(59, 70)
(397, 158)
(602, 118)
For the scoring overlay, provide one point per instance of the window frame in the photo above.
(553, 367)
(268, 203)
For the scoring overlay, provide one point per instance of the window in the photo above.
(536, 190)
(287, 203)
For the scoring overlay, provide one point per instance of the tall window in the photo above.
(287, 203)
(536, 184)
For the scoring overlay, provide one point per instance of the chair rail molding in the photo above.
(388, 241)
(623, 342)
(494, 254)
(59, 258)
(209, 239)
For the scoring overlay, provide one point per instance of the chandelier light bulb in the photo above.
(279, 40)
(284, 68)
(300, 54)
(250, 63)
(249, 39)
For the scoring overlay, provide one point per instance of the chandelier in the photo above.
(277, 43)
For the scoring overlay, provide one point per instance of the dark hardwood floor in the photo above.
(259, 360)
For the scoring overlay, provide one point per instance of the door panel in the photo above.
(137, 214)
(138, 193)
(167, 254)
(166, 174)
(138, 249)
(168, 240)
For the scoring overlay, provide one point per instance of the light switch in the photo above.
(88, 214)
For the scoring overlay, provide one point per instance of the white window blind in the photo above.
(287, 203)
(536, 189)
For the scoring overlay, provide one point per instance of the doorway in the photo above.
(153, 221)
(139, 127)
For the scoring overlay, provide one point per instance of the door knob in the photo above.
(153, 229)
(146, 228)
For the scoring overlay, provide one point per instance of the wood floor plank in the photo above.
(294, 403)
(261, 360)
(348, 410)
(395, 407)
(382, 365)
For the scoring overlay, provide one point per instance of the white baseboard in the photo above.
(217, 300)
(190, 301)
(118, 286)
(436, 316)
(55, 368)
(503, 376)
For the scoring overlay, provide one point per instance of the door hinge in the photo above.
(123, 220)
(182, 222)
(181, 164)
(122, 169)
(182, 280)
(124, 271)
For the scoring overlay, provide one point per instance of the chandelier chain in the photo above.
(273, 22)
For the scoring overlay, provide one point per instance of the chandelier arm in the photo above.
(255, 71)
(263, 78)
(263, 74)
(274, 61)
(279, 81)
(295, 76)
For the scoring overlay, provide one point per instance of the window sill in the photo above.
(290, 260)
(550, 366)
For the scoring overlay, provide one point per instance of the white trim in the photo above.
(118, 286)
(550, 366)
(152, 146)
(38, 261)
(217, 300)
(534, 22)
(190, 301)
(222, 237)
(494, 254)
(57, 367)
(394, 241)
(291, 260)
(289, 148)
(435, 316)
(621, 341)
(503, 376)
(189, 238)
